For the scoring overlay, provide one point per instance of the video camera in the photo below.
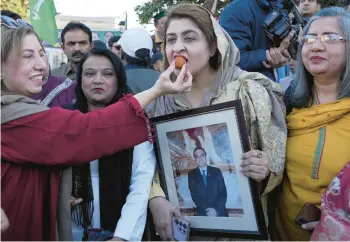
(278, 24)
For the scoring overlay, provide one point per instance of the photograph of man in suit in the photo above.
(207, 187)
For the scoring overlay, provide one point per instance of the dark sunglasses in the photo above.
(14, 24)
(117, 47)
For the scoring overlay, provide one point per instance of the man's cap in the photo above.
(156, 57)
(99, 44)
(112, 40)
(134, 39)
(159, 16)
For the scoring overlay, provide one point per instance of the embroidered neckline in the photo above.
(320, 144)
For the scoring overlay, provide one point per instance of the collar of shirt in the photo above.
(203, 169)
(64, 71)
(69, 70)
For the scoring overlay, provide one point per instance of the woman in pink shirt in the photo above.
(334, 224)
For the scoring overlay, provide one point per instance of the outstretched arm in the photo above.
(63, 137)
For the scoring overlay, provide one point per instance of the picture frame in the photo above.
(198, 155)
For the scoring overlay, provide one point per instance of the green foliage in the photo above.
(20, 7)
(147, 10)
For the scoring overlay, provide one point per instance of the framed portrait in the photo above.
(199, 155)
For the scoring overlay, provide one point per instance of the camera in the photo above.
(278, 24)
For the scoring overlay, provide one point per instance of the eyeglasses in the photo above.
(310, 39)
(14, 24)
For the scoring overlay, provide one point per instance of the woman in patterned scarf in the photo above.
(212, 58)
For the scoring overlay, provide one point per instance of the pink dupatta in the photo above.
(335, 210)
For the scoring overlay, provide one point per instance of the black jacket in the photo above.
(213, 195)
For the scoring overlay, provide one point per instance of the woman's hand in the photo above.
(4, 221)
(165, 86)
(162, 211)
(75, 201)
(182, 84)
(310, 226)
(255, 164)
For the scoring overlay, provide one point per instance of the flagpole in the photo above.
(213, 9)
(126, 20)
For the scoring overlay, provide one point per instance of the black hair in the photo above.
(143, 58)
(299, 1)
(99, 44)
(347, 3)
(81, 102)
(199, 148)
(73, 26)
(9, 13)
(112, 40)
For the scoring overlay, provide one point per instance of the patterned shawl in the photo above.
(261, 99)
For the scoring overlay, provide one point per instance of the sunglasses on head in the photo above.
(14, 24)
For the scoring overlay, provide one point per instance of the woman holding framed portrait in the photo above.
(211, 57)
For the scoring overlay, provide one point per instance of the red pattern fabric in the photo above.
(334, 224)
(35, 148)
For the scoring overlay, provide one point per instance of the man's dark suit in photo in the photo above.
(207, 187)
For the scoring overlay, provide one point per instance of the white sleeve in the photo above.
(132, 222)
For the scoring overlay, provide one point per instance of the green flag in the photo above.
(42, 17)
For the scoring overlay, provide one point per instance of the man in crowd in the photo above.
(243, 20)
(136, 53)
(160, 20)
(346, 4)
(157, 59)
(13, 17)
(10, 14)
(207, 187)
(308, 8)
(114, 46)
(107, 36)
(76, 41)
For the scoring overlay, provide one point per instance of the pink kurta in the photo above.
(334, 224)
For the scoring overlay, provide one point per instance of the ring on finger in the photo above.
(259, 154)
